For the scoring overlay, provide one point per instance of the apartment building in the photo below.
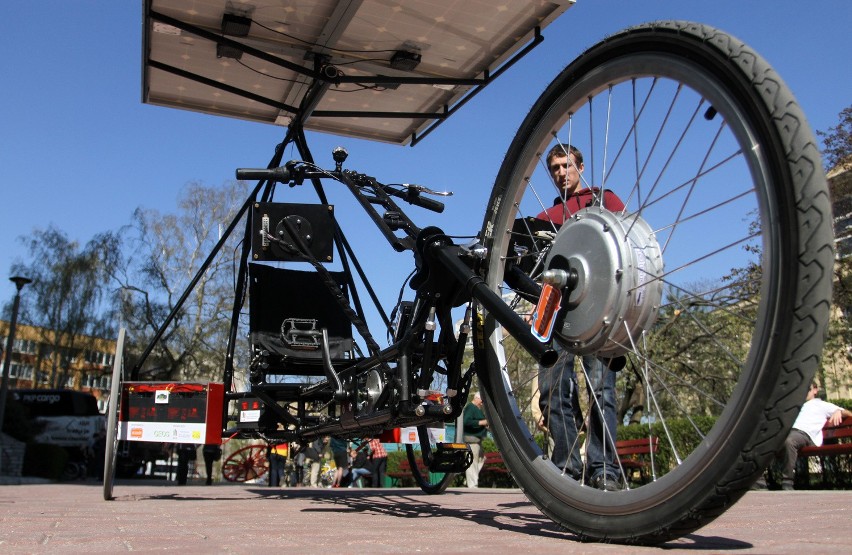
(42, 359)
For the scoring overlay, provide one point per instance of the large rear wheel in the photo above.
(111, 451)
(712, 288)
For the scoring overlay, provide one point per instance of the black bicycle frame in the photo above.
(446, 276)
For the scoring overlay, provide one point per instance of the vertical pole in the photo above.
(7, 355)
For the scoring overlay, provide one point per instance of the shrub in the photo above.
(681, 432)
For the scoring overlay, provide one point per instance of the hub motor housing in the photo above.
(619, 266)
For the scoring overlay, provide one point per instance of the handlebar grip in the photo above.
(282, 174)
(428, 203)
(416, 199)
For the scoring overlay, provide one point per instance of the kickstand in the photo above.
(332, 376)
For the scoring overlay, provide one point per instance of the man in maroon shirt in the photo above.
(559, 396)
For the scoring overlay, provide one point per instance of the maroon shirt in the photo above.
(579, 200)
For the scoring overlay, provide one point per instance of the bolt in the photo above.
(556, 278)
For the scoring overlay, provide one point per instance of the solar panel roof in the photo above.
(385, 70)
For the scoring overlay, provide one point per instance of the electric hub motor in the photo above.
(619, 266)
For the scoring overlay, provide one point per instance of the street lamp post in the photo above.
(7, 355)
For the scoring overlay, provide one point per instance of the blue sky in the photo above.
(80, 151)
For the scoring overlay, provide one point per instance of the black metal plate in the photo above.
(315, 223)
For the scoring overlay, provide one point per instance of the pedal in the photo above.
(451, 457)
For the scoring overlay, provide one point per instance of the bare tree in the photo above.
(64, 300)
(835, 374)
(163, 252)
(837, 141)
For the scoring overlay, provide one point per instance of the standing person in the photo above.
(313, 459)
(340, 453)
(474, 429)
(186, 457)
(277, 464)
(379, 461)
(298, 469)
(95, 454)
(807, 430)
(559, 397)
(211, 453)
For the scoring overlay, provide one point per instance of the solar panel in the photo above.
(385, 70)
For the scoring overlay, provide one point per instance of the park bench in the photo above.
(634, 456)
(403, 475)
(837, 442)
(494, 463)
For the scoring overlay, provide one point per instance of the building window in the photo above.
(21, 372)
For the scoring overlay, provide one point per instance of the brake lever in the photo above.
(422, 189)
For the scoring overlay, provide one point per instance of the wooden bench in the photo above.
(837, 441)
(494, 463)
(634, 456)
(403, 475)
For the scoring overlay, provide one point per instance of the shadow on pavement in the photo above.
(412, 503)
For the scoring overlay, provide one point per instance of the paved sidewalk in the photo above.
(146, 517)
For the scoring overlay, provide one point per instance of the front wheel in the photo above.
(699, 262)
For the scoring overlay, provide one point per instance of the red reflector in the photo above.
(545, 312)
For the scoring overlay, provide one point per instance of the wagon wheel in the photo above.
(112, 416)
(246, 464)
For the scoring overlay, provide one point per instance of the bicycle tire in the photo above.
(425, 481)
(111, 450)
(770, 196)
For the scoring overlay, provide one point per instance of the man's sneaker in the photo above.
(787, 486)
(606, 483)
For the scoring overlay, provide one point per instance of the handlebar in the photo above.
(286, 173)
